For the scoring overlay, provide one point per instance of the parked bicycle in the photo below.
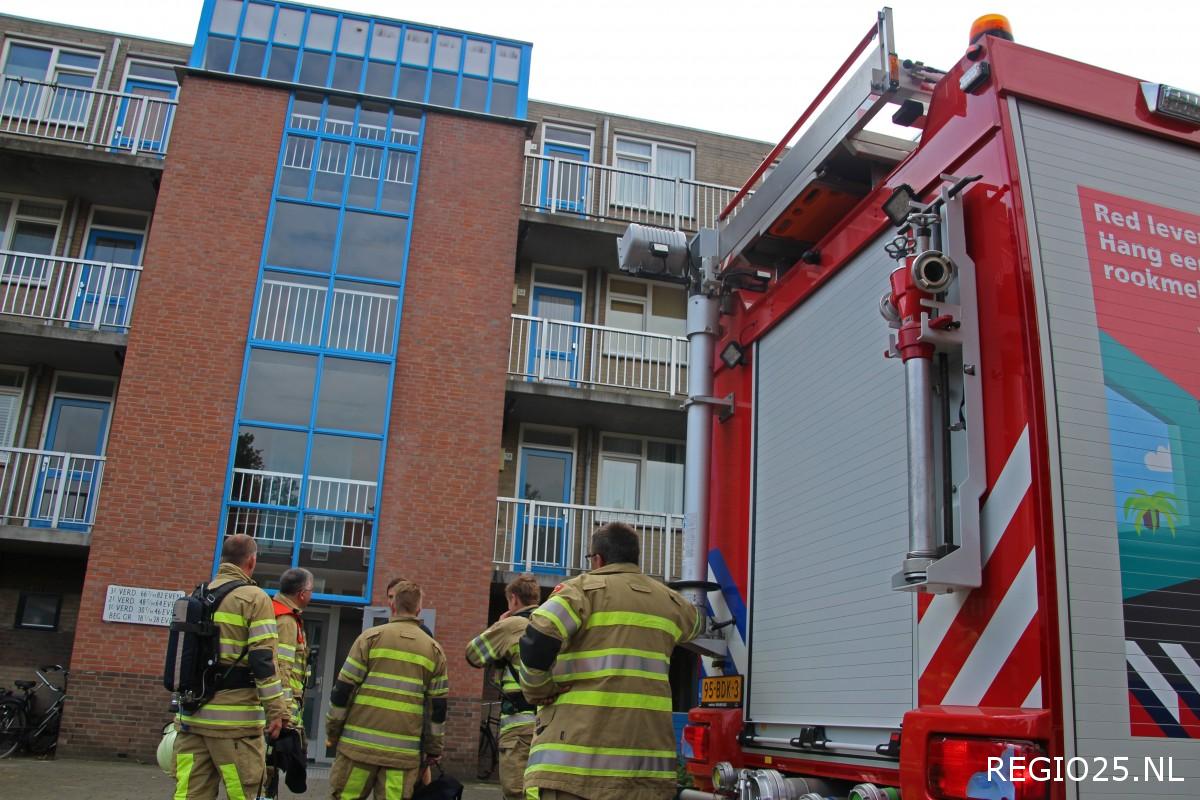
(489, 747)
(24, 722)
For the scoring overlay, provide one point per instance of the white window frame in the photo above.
(8, 226)
(10, 438)
(641, 461)
(611, 342)
(550, 123)
(132, 59)
(653, 204)
(52, 69)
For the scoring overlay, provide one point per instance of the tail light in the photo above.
(695, 742)
(960, 769)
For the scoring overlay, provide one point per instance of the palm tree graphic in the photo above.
(1151, 510)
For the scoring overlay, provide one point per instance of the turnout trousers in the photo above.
(514, 755)
(203, 763)
(355, 780)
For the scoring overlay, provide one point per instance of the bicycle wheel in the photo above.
(12, 727)
(45, 738)
(489, 753)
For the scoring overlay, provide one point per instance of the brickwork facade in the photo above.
(21, 649)
(169, 442)
(439, 489)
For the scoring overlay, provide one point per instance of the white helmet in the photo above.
(166, 750)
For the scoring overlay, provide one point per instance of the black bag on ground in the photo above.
(443, 787)
(193, 647)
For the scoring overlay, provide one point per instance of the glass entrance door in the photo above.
(565, 179)
(143, 123)
(321, 632)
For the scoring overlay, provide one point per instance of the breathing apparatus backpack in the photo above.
(191, 669)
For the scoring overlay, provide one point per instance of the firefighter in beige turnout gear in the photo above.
(222, 742)
(499, 647)
(377, 707)
(597, 655)
(291, 653)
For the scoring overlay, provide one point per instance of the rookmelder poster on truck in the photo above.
(1145, 273)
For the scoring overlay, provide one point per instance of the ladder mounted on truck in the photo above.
(775, 221)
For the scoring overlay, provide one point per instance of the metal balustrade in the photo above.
(70, 292)
(579, 354)
(595, 191)
(265, 504)
(292, 311)
(48, 489)
(96, 118)
(532, 535)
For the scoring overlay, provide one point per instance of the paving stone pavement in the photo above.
(79, 779)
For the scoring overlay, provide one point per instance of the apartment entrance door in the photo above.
(543, 520)
(104, 295)
(554, 345)
(564, 179)
(67, 478)
(142, 123)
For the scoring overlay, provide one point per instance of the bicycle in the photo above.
(489, 748)
(18, 727)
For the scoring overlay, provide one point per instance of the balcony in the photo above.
(579, 190)
(576, 354)
(68, 292)
(93, 118)
(552, 538)
(47, 489)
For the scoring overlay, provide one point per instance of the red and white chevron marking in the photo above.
(981, 648)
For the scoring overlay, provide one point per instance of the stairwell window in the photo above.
(661, 164)
(28, 233)
(71, 75)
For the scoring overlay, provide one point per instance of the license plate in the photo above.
(722, 691)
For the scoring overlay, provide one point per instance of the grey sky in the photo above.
(746, 68)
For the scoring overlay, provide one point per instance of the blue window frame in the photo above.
(382, 57)
(308, 446)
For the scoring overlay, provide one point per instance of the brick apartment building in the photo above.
(333, 281)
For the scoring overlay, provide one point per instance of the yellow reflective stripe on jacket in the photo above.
(559, 612)
(400, 655)
(262, 629)
(612, 662)
(391, 705)
(439, 686)
(636, 619)
(353, 671)
(381, 740)
(510, 721)
(578, 697)
(223, 715)
(229, 618)
(613, 762)
(269, 690)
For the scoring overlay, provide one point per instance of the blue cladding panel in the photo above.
(388, 58)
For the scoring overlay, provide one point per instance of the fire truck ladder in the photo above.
(774, 222)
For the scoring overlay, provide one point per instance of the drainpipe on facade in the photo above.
(32, 379)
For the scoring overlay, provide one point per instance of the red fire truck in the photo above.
(950, 495)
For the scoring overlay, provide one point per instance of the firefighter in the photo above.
(222, 742)
(291, 654)
(498, 647)
(391, 671)
(596, 656)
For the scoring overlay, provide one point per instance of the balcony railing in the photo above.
(69, 292)
(579, 354)
(595, 191)
(536, 536)
(45, 489)
(116, 121)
